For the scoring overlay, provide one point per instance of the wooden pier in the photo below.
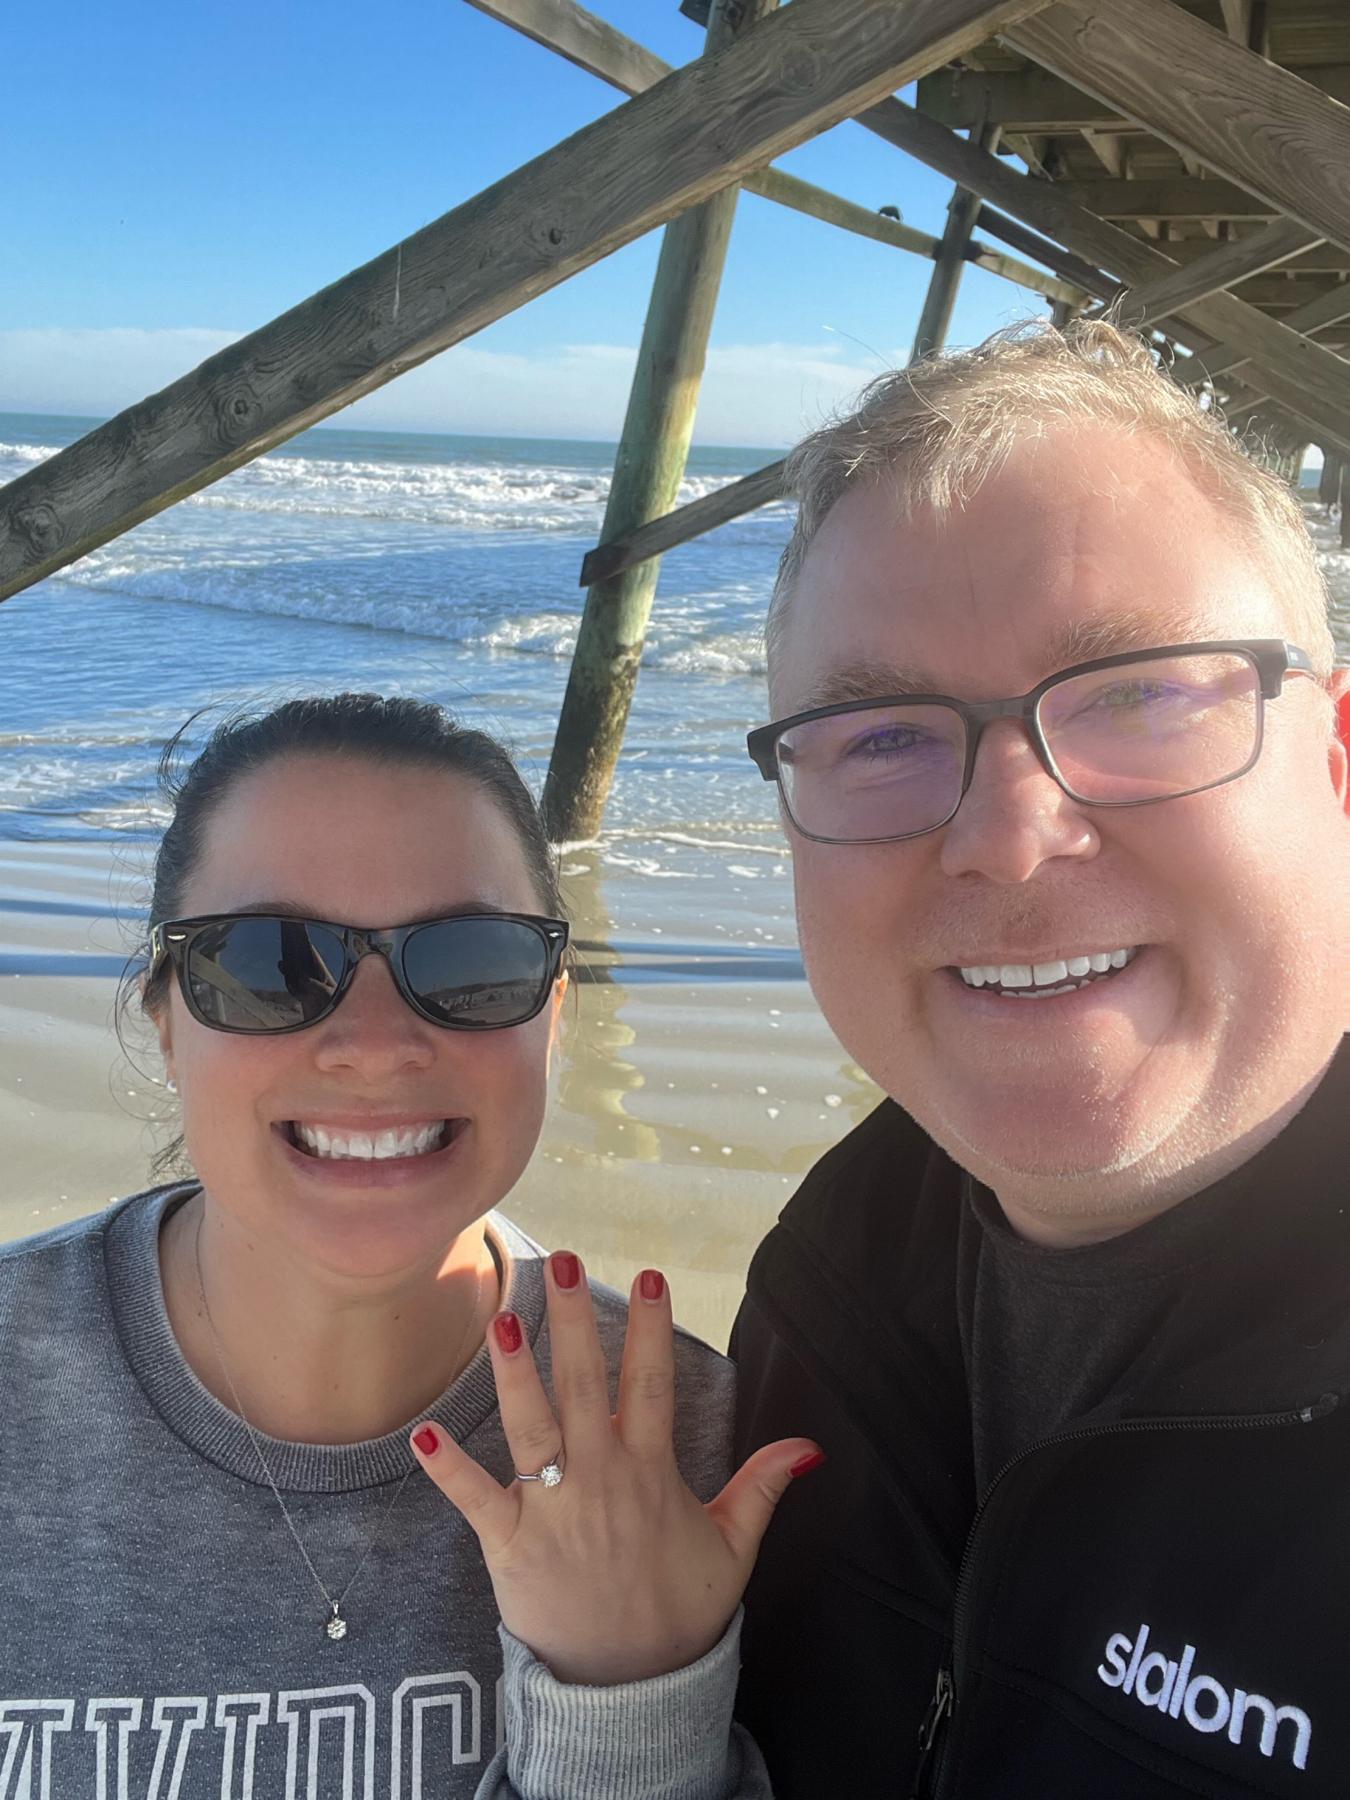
(1184, 160)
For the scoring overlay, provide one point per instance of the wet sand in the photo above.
(697, 1081)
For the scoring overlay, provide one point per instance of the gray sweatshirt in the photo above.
(160, 1635)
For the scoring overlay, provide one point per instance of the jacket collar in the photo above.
(859, 1275)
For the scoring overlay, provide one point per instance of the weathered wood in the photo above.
(602, 51)
(1216, 359)
(1172, 197)
(994, 262)
(582, 38)
(1329, 486)
(936, 315)
(1036, 102)
(692, 134)
(1299, 374)
(1072, 268)
(648, 468)
(1247, 119)
(692, 520)
(1212, 273)
(1023, 100)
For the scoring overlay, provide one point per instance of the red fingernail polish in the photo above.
(507, 1328)
(566, 1269)
(805, 1464)
(651, 1284)
(425, 1440)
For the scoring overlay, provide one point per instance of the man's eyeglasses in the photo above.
(1120, 731)
(258, 972)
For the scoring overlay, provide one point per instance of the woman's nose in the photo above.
(373, 1027)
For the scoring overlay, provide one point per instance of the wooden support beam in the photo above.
(1329, 487)
(939, 302)
(648, 468)
(1247, 119)
(1297, 373)
(685, 522)
(1211, 274)
(1026, 100)
(1169, 197)
(1036, 102)
(1210, 360)
(808, 67)
(1074, 269)
(584, 39)
(597, 47)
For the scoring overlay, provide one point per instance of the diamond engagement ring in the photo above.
(552, 1472)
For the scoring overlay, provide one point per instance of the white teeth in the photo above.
(405, 1140)
(1042, 981)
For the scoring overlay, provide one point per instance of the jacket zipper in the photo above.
(935, 1732)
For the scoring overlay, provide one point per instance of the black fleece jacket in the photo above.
(1154, 1602)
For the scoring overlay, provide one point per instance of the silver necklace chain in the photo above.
(335, 1625)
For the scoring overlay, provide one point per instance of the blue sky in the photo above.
(178, 176)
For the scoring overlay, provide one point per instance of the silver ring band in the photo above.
(552, 1472)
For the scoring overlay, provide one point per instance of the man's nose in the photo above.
(1015, 817)
(373, 1030)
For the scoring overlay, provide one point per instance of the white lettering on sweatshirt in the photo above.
(1174, 1689)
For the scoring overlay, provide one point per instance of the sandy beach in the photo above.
(697, 1081)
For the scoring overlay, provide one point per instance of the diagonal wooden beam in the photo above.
(694, 133)
(1300, 374)
(1073, 268)
(593, 45)
(691, 520)
(1247, 119)
(1212, 273)
(1217, 359)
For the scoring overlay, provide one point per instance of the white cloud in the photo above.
(752, 393)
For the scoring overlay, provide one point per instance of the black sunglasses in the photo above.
(264, 972)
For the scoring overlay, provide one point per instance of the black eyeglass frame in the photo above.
(1272, 658)
(174, 938)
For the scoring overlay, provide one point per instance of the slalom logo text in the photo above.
(1173, 1687)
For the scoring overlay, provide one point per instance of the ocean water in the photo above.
(438, 566)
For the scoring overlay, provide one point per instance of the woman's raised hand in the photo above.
(617, 1573)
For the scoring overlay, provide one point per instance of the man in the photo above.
(1069, 1313)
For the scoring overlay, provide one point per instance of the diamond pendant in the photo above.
(336, 1627)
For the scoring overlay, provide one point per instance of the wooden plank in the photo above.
(833, 209)
(1296, 372)
(602, 51)
(1247, 119)
(1035, 101)
(685, 522)
(1171, 197)
(1030, 100)
(1072, 268)
(581, 37)
(935, 317)
(809, 66)
(1216, 359)
(1211, 274)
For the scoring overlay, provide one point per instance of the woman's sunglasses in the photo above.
(259, 972)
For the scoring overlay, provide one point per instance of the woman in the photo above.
(222, 1573)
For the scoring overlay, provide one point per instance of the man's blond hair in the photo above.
(950, 422)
